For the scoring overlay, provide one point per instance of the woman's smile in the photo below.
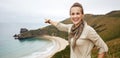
(75, 19)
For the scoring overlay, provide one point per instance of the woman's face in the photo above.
(76, 15)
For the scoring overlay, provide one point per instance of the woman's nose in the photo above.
(75, 15)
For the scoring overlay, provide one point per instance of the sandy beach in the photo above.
(58, 45)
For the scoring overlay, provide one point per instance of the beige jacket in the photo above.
(86, 42)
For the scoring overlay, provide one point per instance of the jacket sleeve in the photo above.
(97, 40)
(63, 27)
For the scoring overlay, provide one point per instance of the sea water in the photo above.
(27, 48)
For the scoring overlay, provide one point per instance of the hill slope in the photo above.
(108, 27)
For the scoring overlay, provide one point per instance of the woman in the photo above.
(82, 37)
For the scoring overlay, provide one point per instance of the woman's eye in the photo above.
(77, 13)
(73, 14)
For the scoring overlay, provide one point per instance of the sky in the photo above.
(35, 11)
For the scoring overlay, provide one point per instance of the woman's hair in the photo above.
(77, 5)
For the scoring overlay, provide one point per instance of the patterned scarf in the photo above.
(75, 33)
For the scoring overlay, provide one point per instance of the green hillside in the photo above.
(108, 27)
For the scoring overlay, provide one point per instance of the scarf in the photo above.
(75, 33)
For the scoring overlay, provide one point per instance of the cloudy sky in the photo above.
(35, 11)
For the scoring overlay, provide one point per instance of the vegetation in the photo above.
(108, 27)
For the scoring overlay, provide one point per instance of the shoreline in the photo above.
(58, 45)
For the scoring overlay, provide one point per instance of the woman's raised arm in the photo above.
(59, 26)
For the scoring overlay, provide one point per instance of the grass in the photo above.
(114, 49)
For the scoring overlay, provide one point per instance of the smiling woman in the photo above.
(82, 37)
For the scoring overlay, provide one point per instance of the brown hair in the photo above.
(77, 5)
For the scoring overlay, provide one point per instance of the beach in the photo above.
(58, 45)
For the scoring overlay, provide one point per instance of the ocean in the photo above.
(27, 48)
